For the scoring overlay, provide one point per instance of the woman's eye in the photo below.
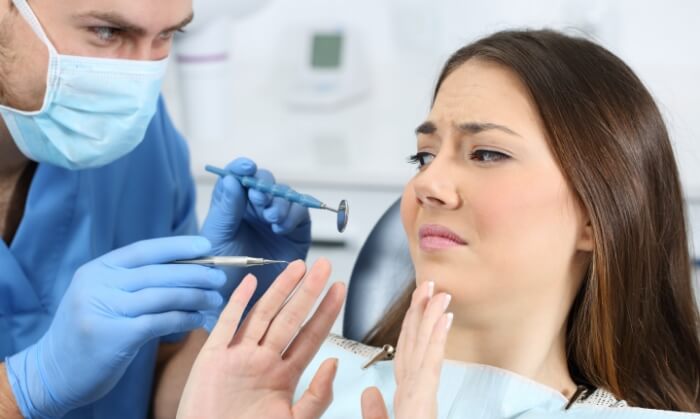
(488, 156)
(421, 158)
(106, 33)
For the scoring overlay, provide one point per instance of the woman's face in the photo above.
(489, 216)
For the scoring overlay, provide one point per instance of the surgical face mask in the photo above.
(95, 110)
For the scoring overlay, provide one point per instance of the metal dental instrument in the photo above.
(289, 194)
(228, 261)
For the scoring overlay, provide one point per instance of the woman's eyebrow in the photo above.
(477, 127)
(429, 127)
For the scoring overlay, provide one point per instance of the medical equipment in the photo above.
(330, 67)
(289, 194)
(205, 64)
(229, 261)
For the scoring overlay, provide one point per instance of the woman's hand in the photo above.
(252, 371)
(418, 361)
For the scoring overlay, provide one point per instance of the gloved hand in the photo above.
(113, 306)
(245, 222)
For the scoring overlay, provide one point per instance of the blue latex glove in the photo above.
(245, 222)
(113, 306)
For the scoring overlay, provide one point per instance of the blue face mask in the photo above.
(95, 110)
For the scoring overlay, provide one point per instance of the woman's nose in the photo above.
(435, 187)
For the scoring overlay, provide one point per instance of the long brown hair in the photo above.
(634, 327)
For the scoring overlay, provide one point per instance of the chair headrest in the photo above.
(382, 271)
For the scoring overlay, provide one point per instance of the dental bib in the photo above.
(466, 390)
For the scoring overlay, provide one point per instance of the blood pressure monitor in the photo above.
(330, 68)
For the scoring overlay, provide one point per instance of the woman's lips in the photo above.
(437, 237)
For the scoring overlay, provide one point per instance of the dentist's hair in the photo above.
(634, 327)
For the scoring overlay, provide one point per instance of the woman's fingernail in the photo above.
(334, 367)
(450, 316)
(448, 298)
(431, 289)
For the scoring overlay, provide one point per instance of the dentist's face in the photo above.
(127, 29)
(489, 216)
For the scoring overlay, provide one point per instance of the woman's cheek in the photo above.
(409, 210)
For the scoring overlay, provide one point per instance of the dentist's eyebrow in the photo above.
(186, 21)
(120, 22)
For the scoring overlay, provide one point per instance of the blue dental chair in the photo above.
(382, 271)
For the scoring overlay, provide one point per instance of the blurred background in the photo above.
(327, 93)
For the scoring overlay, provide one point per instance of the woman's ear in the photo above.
(585, 240)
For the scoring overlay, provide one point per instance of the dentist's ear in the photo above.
(585, 240)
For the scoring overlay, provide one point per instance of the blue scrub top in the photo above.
(72, 217)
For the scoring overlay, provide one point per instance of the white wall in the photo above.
(407, 40)
(359, 151)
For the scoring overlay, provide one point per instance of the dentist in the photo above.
(96, 198)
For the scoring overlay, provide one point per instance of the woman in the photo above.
(548, 205)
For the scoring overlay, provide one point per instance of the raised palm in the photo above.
(419, 356)
(252, 372)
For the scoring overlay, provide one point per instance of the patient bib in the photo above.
(466, 390)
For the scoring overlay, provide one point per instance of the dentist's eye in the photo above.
(421, 158)
(488, 156)
(167, 36)
(106, 34)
